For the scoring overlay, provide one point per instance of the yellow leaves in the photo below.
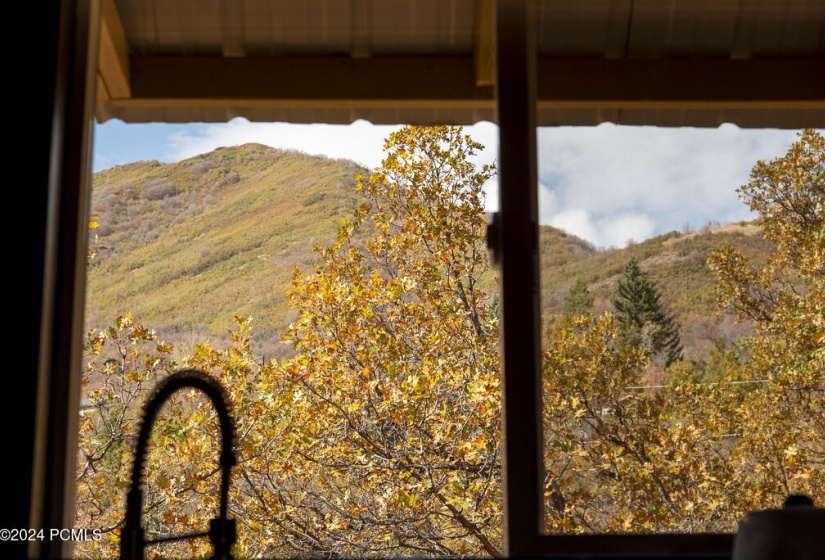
(627, 522)
(332, 523)
(407, 499)
(408, 284)
(801, 477)
(787, 194)
(791, 454)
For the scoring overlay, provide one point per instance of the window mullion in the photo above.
(518, 244)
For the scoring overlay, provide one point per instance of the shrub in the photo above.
(202, 167)
(160, 189)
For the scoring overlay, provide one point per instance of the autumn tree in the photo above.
(125, 361)
(396, 404)
(619, 458)
(181, 477)
(781, 422)
(641, 313)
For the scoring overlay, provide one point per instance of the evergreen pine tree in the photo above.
(579, 301)
(639, 308)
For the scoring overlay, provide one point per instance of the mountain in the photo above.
(185, 246)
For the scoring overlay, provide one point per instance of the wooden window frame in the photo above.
(58, 289)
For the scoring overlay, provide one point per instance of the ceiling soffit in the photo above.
(754, 63)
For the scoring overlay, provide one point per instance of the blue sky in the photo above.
(607, 184)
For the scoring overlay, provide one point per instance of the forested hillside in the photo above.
(186, 246)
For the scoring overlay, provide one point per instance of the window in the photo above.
(377, 429)
(660, 414)
(702, 96)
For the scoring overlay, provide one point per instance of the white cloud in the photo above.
(625, 227)
(615, 231)
(575, 221)
(486, 134)
(548, 204)
(634, 182)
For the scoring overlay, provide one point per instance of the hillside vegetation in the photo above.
(677, 262)
(188, 245)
